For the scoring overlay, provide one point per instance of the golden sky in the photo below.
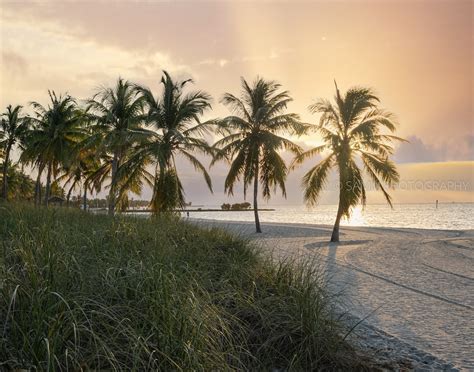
(417, 55)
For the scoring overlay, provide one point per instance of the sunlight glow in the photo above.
(357, 217)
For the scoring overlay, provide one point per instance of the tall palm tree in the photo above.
(177, 131)
(56, 131)
(14, 128)
(254, 139)
(351, 129)
(118, 116)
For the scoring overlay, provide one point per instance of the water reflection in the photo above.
(447, 216)
(357, 217)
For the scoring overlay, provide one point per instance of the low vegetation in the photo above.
(82, 291)
(236, 206)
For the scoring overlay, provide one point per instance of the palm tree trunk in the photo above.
(38, 187)
(5, 172)
(68, 197)
(335, 230)
(112, 185)
(84, 200)
(48, 185)
(255, 203)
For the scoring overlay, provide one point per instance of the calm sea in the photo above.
(453, 216)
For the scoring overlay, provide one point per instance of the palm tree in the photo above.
(177, 130)
(118, 115)
(101, 172)
(351, 129)
(79, 171)
(254, 140)
(52, 140)
(14, 128)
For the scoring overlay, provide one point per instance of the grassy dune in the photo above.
(82, 291)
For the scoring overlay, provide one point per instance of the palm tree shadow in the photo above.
(341, 280)
(336, 271)
(334, 245)
(343, 286)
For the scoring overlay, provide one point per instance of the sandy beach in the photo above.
(414, 287)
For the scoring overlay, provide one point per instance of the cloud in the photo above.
(14, 63)
(417, 151)
(213, 62)
(35, 58)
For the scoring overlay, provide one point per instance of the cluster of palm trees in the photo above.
(125, 137)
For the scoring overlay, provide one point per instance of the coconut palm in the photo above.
(352, 129)
(255, 140)
(126, 181)
(77, 173)
(14, 128)
(177, 132)
(118, 116)
(55, 133)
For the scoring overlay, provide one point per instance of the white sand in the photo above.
(415, 285)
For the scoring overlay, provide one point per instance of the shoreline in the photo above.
(415, 285)
(326, 226)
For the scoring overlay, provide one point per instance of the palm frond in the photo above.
(198, 166)
(315, 180)
(306, 155)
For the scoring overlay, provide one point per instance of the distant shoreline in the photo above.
(201, 210)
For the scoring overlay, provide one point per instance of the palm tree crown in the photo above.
(118, 116)
(351, 129)
(56, 131)
(254, 139)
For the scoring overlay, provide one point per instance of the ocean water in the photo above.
(452, 216)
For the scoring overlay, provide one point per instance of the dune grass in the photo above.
(82, 291)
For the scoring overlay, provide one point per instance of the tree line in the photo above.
(126, 137)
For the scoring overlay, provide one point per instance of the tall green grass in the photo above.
(82, 291)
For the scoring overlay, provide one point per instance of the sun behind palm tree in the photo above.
(351, 129)
(253, 144)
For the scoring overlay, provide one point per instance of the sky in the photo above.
(417, 56)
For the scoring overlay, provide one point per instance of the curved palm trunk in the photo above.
(255, 203)
(5, 173)
(48, 185)
(112, 185)
(335, 230)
